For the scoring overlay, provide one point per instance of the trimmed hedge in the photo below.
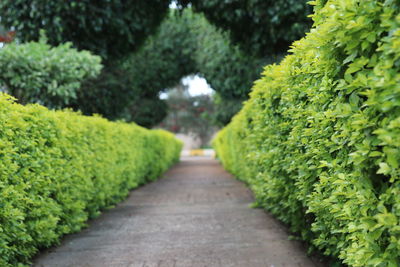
(59, 168)
(319, 140)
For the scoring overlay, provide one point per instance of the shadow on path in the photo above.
(197, 215)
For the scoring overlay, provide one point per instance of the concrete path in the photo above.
(197, 215)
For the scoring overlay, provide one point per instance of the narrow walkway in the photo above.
(197, 215)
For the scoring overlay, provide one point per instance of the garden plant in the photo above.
(318, 140)
(60, 168)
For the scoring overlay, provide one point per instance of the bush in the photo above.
(38, 73)
(318, 141)
(59, 168)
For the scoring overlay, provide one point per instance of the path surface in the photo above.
(197, 215)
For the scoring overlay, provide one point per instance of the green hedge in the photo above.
(319, 140)
(59, 168)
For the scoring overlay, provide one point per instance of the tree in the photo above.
(109, 94)
(225, 109)
(185, 44)
(165, 58)
(228, 70)
(137, 70)
(129, 87)
(148, 112)
(107, 28)
(259, 27)
(111, 29)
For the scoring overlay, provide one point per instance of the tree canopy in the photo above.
(260, 27)
(184, 44)
(147, 47)
(107, 28)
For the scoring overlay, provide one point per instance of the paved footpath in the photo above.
(197, 215)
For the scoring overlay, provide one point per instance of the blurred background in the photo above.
(185, 66)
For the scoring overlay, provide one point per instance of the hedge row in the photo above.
(319, 140)
(59, 168)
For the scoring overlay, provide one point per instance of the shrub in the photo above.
(38, 73)
(59, 168)
(319, 139)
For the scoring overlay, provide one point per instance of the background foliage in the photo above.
(145, 50)
(107, 95)
(165, 58)
(60, 168)
(107, 28)
(189, 114)
(259, 27)
(225, 109)
(184, 44)
(128, 88)
(52, 76)
(318, 141)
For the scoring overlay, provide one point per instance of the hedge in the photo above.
(319, 140)
(59, 168)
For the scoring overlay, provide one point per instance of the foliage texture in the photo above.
(183, 45)
(164, 59)
(260, 27)
(318, 141)
(59, 168)
(35, 72)
(228, 70)
(186, 43)
(107, 28)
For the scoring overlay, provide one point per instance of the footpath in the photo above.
(196, 215)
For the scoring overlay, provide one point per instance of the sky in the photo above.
(197, 86)
(173, 5)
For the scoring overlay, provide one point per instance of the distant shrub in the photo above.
(59, 168)
(319, 140)
(35, 72)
